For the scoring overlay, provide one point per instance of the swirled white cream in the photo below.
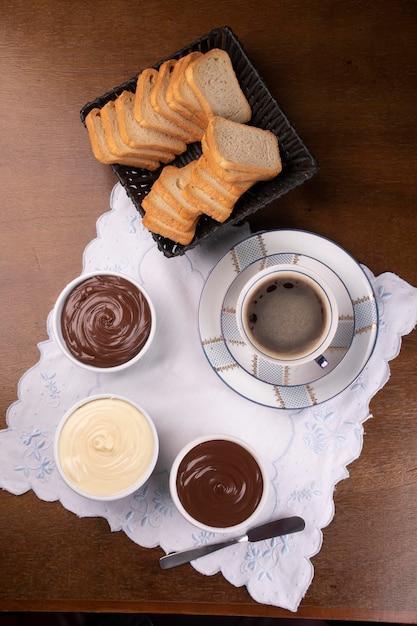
(105, 447)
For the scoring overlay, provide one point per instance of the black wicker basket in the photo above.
(298, 163)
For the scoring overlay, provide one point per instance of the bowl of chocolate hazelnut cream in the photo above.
(218, 483)
(106, 447)
(104, 321)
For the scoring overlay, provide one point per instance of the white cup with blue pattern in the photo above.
(288, 315)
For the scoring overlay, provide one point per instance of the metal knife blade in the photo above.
(279, 527)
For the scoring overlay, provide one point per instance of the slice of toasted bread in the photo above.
(156, 204)
(171, 184)
(213, 80)
(145, 113)
(182, 118)
(213, 188)
(162, 219)
(136, 136)
(155, 225)
(207, 203)
(102, 151)
(179, 95)
(121, 149)
(205, 176)
(244, 148)
(225, 174)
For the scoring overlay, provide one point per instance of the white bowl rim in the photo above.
(143, 478)
(237, 528)
(56, 321)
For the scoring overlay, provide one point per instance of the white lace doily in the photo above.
(306, 452)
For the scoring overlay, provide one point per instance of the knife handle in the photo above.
(283, 526)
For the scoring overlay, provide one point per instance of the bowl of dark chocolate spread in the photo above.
(104, 321)
(218, 483)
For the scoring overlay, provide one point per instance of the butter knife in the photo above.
(277, 528)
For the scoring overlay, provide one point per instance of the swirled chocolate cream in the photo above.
(105, 321)
(219, 483)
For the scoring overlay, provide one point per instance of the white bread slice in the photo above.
(205, 175)
(171, 184)
(207, 203)
(179, 95)
(226, 175)
(242, 148)
(155, 204)
(162, 219)
(211, 186)
(189, 124)
(102, 151)
(136, 136)
(147, 116)
(214, 82)
(116, 144)
(155, 225)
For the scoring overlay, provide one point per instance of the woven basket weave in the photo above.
(298, 163)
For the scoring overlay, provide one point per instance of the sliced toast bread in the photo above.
(213, 81)
(145, 113)
(161, 218)
(154, 203)
(217, 180)
(171, 184)
(212, 186)
(235, 147)
(159, 227)
(207, 202)
(103, 152)
(136, 136)
(116, 144)
(181, 117)
(179, 95)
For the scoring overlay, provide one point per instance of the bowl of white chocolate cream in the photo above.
(106, 447)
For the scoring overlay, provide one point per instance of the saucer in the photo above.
(265, 369)
(254, 251)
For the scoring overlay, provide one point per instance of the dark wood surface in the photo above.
(345, 73)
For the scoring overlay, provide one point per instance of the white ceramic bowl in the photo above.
(213, 488)
(106, 447)
(116, 339)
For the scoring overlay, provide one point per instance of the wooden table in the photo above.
(345, 73)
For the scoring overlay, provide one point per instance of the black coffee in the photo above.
(285, 317)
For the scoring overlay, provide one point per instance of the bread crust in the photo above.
(179, 95)
(214, 82)
(119, 148)
(103, 152)
(189, 124)
(242, 148)
(139, 137)
(171, 184)
(146, 115)
(194, 98)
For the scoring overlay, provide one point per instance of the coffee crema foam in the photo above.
(105, 447)
(285, 317)
(219, 483)
(105, 321)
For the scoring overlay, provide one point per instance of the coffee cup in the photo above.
(287, 314)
